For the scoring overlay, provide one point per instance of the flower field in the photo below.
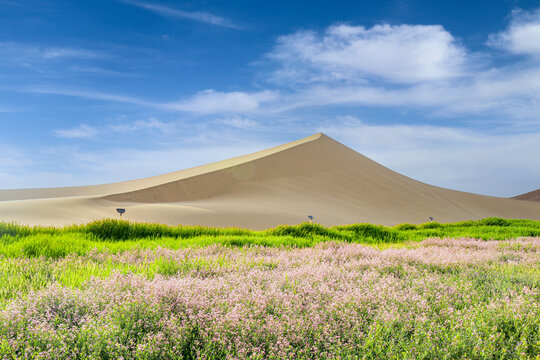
(235, 296)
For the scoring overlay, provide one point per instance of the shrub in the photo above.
(375, 232)
(494, 221)
(405, 227)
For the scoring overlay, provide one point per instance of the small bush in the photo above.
(123, 230)
(375, 232)
(494, 221)
(431, 225)
(307, 230)
(405, 227)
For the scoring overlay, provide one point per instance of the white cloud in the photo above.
(94, 70)
(18, 52)
(85, 131)
(514, 93)
(79, 132)
(401, 54)
(93, 95)
(239, 122)
(199, 16)
(522, 36)
(202, 103)
(54, 53)
(138, 125)
(406, 66)
(212, 102)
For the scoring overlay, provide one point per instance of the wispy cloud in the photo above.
(215, 102)
(55, 53)
(98, 71)
(199, 16)
(203, 103)
(514, 93)
(88, 94)
(80, 132)
(14, 51)
(84, 131)
(238, 122)
(146, 125)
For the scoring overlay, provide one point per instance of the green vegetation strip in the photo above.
(118, 235)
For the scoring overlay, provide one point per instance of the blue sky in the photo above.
(109, 90)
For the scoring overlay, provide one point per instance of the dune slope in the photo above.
(313, 176)
(530, 196)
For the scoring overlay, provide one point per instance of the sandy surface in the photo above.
(313, 176)
(530, 196)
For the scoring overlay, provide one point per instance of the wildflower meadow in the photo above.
(117, 290)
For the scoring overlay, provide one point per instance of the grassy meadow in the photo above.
(113, 289)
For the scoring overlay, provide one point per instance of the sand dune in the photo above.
(313, 176)
(530, 196)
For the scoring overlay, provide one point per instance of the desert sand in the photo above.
(530, 196)
(315, 176)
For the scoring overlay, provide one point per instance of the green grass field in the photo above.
(113, 289)
(117, 235)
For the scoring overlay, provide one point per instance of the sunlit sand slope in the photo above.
(313, 176)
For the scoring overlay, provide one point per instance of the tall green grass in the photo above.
(119, 235)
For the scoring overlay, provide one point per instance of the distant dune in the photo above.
(283, 185)
(530, 196)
